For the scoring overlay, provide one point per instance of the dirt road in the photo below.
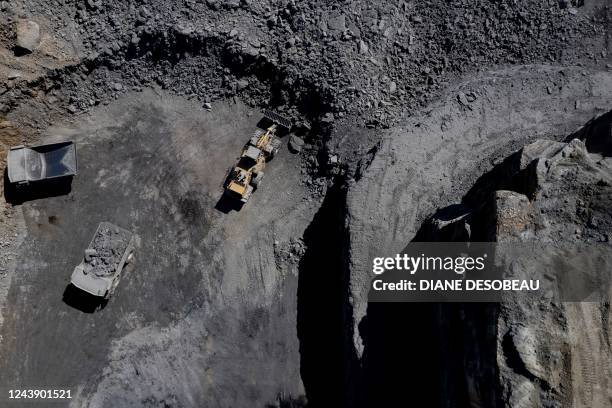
(203, 307)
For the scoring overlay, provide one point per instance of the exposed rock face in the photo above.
(553, 354)
(482, 354)
(556, 354)
(571, 193)
(433, 161)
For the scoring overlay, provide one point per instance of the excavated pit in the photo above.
(418, 341)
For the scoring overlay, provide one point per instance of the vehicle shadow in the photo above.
(227, 204)
(15, 195)
(83, 301)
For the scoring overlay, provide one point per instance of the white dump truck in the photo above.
(105, 258)
(38, 163)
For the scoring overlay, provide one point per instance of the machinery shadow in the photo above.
(82, 301)
(15, 195)
(20, 52)
(227, 204)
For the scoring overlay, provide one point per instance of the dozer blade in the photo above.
(278, 119)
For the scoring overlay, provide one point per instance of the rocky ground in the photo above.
(399, 109)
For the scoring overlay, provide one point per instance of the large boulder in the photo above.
(295, 144)
(553, 353)
(28, 36)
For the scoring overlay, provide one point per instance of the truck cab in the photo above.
(247, 174)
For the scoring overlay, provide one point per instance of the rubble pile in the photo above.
(106, 250)
(319, 59)
(322, 64)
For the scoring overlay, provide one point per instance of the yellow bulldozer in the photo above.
(247, 174)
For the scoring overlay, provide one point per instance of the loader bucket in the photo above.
(278, 119)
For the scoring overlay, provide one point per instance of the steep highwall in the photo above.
(451, 159)
(547, 352)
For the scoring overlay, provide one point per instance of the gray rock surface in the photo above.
(348, 56)
(556, 354)
(526, 352)
(28, 35)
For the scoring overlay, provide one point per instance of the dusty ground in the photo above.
(200, 274)
(11, 226)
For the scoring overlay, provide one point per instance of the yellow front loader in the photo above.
(246, 176)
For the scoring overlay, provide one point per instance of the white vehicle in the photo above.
(38, 163)
(105, 258)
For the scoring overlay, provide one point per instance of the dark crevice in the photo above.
(401, 360)
(324, 321)
(596, 134)
(446, 353)
(429, 351)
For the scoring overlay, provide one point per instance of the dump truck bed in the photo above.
(109, 243)
(104, 258)
(42, 162)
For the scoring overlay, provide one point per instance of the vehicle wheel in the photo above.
(273, 153)
(102, 304)
(256, 180)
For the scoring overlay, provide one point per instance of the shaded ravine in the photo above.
(328, 360)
